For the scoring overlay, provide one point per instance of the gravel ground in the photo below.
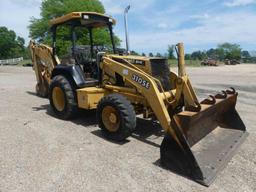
(41, 153)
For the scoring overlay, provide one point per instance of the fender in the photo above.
(73, 73)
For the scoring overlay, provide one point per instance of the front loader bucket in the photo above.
(207, 139)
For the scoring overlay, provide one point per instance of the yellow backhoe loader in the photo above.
(200, 137)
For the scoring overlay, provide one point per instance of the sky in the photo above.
(155, 24)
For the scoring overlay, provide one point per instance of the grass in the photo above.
(191, 63)
(24, 62)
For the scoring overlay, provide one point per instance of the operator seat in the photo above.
(74, 64)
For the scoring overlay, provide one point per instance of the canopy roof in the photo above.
(87, 19)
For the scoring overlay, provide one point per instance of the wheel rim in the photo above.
(58, 98)
(110, 118)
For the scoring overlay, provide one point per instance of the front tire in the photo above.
(116, 117)
(62, 98)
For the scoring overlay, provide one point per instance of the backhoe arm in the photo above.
(43, 64)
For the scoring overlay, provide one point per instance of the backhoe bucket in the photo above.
(207, 139)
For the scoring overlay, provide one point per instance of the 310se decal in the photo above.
(142, 82)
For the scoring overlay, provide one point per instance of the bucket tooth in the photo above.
(196, 108)
(222, 95)
(209, 101)
(232, 91)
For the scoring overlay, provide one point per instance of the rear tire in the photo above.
(62, 98)
(116, 117)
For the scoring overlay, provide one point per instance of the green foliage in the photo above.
(212, 53)
(199, 55)
(150, 55)
(171, 52)
(11, 45)
(223, 51)
(229, 51)
(134, 53)
(158, 55)
(50, 9)
(143, 54)
(187, 56)
(245, 54)
(246, 57)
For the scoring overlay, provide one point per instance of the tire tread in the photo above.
(126, 111)
(71, 107)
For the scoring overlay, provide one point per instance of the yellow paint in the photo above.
(58, 97)
(110, 118)
(43, 64)
(89, 97)
(78, 15)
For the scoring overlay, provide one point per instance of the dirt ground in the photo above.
(41, 153)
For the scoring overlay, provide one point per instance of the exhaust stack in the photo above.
(126, 29)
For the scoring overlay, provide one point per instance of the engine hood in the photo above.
(138, 60)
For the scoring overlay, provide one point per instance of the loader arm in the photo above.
(201, 138)
(146, 85)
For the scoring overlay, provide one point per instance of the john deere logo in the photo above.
(141, 81)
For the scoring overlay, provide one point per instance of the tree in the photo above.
(212, 53)
(159, 55)
(187, 56)
(245, 55)
(229, 51)
(143, 54)
(220, 54)
(196, 55)
(171, 52)
(150, 55)
(134, 53)
(50, 9)
(11, 45)
(199, 55)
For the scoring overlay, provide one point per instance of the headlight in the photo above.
(86, 16)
